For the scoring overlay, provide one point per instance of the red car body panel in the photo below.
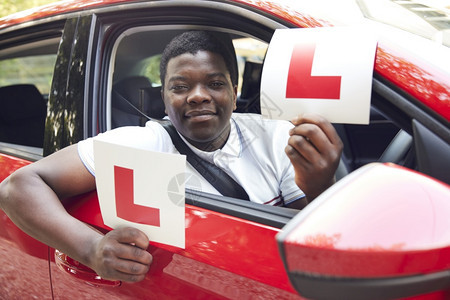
(58, 8)
(21, 255)
(10, 164)
(424, 82)
(24, 264)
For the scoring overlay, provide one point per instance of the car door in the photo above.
(27, 59)
(230, 246)
(230, 250)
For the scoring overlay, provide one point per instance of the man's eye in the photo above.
(178, 87)
(216, 84)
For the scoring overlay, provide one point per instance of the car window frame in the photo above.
(23, 37)
(108, 28)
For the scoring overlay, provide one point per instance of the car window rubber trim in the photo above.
(274, 216)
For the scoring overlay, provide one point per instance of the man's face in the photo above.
(200, 98)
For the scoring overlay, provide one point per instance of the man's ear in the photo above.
(162, 97)
(235, 97)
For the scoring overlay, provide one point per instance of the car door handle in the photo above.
(80, 271)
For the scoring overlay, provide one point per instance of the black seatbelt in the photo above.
(218, 178)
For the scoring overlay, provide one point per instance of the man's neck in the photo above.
(214, 145)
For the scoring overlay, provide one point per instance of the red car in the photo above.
(381, 232)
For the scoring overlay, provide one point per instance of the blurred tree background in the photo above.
(33, 69)
(8, 7)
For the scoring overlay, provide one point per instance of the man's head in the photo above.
(194, 41)
(199, 76)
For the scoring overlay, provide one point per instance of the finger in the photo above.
(129, 235)
(133, 278)
(299, 149)
(124, 276)
(128, 267)
(133, 253)
(312, 134)
(124, 262)
(322, 123)
(299, 163)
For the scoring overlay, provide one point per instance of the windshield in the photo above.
(427, 18)
(430, 19)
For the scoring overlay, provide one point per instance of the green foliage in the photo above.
(8, 7)
(151, 69)
(35, 69)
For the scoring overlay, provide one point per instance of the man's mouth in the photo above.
(200, 115)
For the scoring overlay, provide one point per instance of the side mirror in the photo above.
(382, 232)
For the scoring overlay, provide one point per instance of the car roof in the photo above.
(420, 17)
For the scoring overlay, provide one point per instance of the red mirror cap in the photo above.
(380, 221)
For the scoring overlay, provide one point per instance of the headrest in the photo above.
(133, 89)
(156, 108)
(249, 99)
(251, 79)
(21, 101)
(130, 88)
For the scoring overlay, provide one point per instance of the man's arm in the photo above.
(31, 198)
(314, 148)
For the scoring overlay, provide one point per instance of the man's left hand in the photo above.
(314, 148)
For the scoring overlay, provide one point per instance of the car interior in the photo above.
(22, 118)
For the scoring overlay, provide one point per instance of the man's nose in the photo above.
(199, 94)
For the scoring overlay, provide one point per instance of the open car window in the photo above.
(134, 81)
(26, 72)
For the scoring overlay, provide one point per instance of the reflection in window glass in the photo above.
(37, 70)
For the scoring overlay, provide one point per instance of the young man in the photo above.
(276, 162)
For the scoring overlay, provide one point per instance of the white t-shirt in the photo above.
(253, 156)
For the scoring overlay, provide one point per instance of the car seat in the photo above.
(135, 101)
(22, 115)
(249, 99)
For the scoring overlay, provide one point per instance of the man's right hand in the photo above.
(121, 255)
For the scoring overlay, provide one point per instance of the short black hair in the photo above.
(194, 41)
